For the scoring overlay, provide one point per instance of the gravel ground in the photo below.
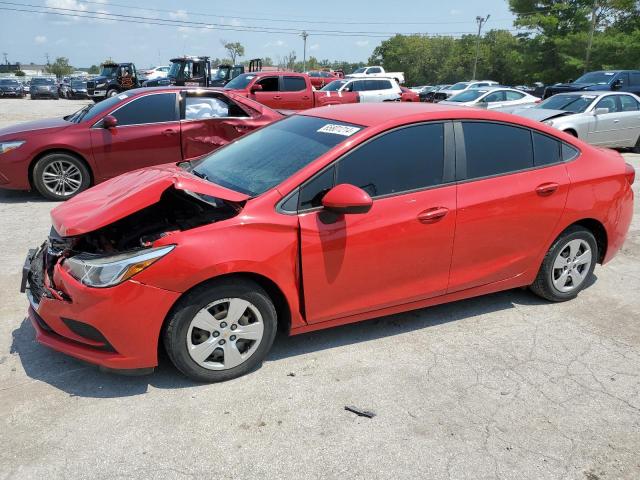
(504, 386)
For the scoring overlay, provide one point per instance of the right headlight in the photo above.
(8, 146)
(101, 271)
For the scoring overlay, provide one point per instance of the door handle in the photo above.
(169, 131)
(305, 98)
(433, 215)
(547, 189)
(277, 97)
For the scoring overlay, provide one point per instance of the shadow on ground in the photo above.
(17, 196)
(80, 379)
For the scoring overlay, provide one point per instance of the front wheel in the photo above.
(221, 331)
(59, 176)
(112, 93)
(567, 265)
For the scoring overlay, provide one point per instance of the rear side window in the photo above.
(494, 97)
(293, 84)
(628, 103)
(493, 149)
(546, 150)
(568, 152)
(157, 108)
(514, 95)
(634, 79)
(405, 159)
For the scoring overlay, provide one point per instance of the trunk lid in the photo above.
(122, 196)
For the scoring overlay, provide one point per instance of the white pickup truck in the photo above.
(376, 71)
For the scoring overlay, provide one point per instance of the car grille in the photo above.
(91, 85)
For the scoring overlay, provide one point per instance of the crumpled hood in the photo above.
(49, 123)
(121, 196)
(539, 114)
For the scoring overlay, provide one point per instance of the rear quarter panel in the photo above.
(322, 99)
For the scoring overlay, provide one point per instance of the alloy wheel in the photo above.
(225, 333)
(62, 178)
(571, 266)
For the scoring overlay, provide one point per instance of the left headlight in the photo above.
(106, 271)
(8, 146)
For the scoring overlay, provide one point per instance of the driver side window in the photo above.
(608, 102)
(269, 84)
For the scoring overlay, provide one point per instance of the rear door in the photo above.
(629, 120)
(512, 190)
(294, 93)
(148, 133)
(605, 129)
(398, 252)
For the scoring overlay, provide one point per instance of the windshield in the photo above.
(77, 83)
(459, 86)
(42, 81)
(108, 70)
(259, 161)
(568, 103)
(93, 110)
(222, 74)
(240, 82)
(174, 71)
(601, 78)
(360, 70)
(468, 95)
(333, 86)
(9, 82)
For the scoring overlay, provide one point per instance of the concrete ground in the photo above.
(504, 386)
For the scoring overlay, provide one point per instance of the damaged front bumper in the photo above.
(116, 328)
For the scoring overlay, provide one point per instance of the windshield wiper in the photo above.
(199, 174)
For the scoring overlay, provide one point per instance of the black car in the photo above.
(114, 78)
(77, 89)
(618, 80)
(43, 87)
(11, 88)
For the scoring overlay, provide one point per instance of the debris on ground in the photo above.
(359, 411)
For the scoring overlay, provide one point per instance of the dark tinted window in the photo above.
(546, 150)
(494, 97)
(358, 86)
(493, 148)
(634, 79)
(375, 70)
(293, 84)
(269, 84)
(311, 194)
(568, 152)
(156, 108)
(405, 159)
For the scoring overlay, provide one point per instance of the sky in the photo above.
(338, 29)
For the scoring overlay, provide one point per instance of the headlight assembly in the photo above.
(101, 84)
(8, 146)
(106, 271)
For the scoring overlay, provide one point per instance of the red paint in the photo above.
(408, 95)
(110, 152)
(327, 77)
(409, 251)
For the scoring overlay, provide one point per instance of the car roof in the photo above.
(580, 93)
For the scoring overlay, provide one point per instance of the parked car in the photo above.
(321, 78)
(287, 91)
(114, 78)
(491, 97)
(621, 80)
(607, 119)
(376, 71)
(156, 72)
(43, 87)
(408, 95)
(460, 87)
(421, 88)
(10, 88)
(77, 89)
(369, 89)
(429, 94)
(61, 157)
(537, 89)
(296, 226)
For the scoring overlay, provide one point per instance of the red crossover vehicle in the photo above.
(333, 216)
(138, 128)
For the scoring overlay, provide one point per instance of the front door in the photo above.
(148, 133)
(270, 93)
(398, 252)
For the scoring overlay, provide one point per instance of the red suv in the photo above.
(60, 157)
(336, 215)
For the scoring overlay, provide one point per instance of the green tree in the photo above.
(19, 73)
(60, 67)
(234, 49)
(94, 70)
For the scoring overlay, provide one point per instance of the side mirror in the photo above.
(346, 198)
(256, 88)
(616, 84)
(109, 122)
(600, 111)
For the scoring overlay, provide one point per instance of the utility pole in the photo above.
(47, 55)
(304, 36)
(6, 61)
(594, 20)
(481, 21)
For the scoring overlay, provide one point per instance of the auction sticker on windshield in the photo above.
(343, 130)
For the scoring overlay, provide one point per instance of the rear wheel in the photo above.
(567, 265)
(221, 331)
(60, 176)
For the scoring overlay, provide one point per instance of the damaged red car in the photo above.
(327, 217)
(61, 157)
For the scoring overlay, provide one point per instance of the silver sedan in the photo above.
(607, 119)
(492, 97)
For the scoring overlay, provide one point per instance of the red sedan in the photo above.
(332, 216)
(408, 95)
(61, 157)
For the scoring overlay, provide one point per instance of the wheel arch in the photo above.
(66, 151)
(599, 232)
(571, 131)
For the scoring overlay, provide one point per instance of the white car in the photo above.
(156, 72)
(376, 71)
(371, 90)
(492, 97)
(460, 87)
(607, 119)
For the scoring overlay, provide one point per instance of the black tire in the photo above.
(179, 320)
(33, 97)
(112, 92)
(44, 162)
(543, 285)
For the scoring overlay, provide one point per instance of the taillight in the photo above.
(630, 173)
